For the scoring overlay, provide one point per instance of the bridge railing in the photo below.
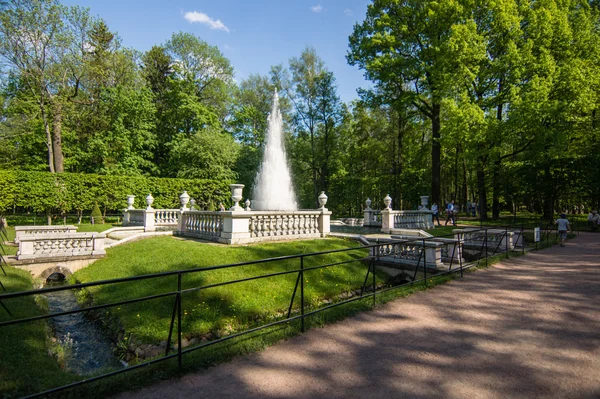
(59, 245)
(26, 231)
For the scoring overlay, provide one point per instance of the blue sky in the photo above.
(253, 34)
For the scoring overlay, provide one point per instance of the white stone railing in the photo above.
(136, 217)
(372, 218)
(405, 220)
(285, 224)
(42, 246)
(166, 217)
(26, 231)
(239, 227)
(415, 252)
(201, 224)
(496, 238)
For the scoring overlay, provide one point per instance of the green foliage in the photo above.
(96, 214)
(44, 192)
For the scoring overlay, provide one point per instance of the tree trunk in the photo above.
(59, 166)
(496, 190)
(482, 203)
(464, 193)
(48, 139)
(435, 153)
(548, 194)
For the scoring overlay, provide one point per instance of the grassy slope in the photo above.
(25, 365)
(226, 307)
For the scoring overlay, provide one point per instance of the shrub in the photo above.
(96, 214)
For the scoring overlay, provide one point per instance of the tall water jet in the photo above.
(273, 190)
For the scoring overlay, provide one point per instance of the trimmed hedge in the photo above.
(57, 193)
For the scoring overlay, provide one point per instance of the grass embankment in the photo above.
(25, 366)
(221, 309)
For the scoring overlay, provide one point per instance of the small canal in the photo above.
(86, 350)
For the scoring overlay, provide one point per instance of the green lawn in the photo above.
(225, 308)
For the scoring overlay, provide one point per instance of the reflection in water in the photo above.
(88, 350)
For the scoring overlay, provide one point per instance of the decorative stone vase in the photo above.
(130, 201)
(184, 199)
(368, 202)
(149, 201)
(388, 202)
(424, 201)
(192, 204)
(247, 203)
(236, 196)
(322, 200)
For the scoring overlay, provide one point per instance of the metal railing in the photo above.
(368, 290)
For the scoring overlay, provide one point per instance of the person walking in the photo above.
(594, 220)
(563, 228)
(450, 213)
(436, 213)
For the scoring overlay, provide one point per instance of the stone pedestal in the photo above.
(236, 227)
(149, 215)
(324, 223)
(387, 221)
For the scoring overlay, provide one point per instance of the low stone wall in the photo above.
(27, 231)
(61, 245)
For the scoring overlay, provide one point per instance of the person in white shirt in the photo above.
(594, 220)
(436, 213)
(563, 227)
(450, 213)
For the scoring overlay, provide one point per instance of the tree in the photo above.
(318, 113)
(43, 43)
(406, 45)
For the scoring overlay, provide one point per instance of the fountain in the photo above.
(273, 190)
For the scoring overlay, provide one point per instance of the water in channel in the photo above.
(87, 350)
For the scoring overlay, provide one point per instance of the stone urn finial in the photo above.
(247, 203)
(322, 200)
(149, 201)
(130, 201)
(192, 204)
(424, 202)
(236, 196)
(184, 198)
(388, 202)
(368, 202)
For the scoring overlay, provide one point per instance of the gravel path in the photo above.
(525, 328)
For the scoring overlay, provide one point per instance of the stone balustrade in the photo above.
(201, 224)
(410, 252)
(26, 231)
(59, 245)
(167, 217)
(239, 227)
(391, 219)
(372, 218)
(496, 238)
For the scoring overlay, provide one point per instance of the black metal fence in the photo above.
(298, 310)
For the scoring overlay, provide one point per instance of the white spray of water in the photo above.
(273, 190)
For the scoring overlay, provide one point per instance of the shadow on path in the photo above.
(527, 327)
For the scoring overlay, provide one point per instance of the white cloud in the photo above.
(200, 17)
(348, 12)
(317, 8)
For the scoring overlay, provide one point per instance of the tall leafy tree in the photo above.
(407, 45)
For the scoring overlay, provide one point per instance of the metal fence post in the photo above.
(179, 356)
(486, 245)
(302, 293)
(424, 263)
(506, 241)
(374, 284)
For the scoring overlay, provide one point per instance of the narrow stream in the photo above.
(88, 351)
